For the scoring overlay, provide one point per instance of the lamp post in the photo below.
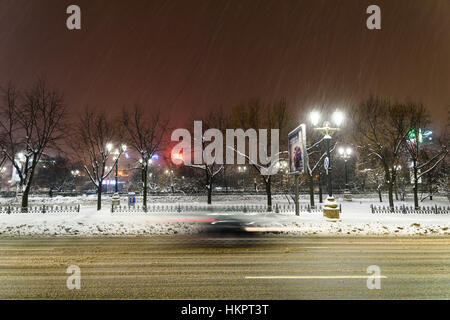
(75, 174)
(116, 179)
(117, 153)
(330, 209)
(345, 154)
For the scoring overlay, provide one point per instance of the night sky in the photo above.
(191, 55)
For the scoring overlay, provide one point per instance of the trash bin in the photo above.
(131, 198)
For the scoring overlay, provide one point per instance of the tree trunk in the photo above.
(320, 188)
(25, 195)
(416, 198)
(396, 191)
(379, 194)
(430, 185)
(99, 197)
(26, 192)
(210, 194)
(208, 182)
(145, 185)
(390, 180)
(391, 194)
(269, 195)
(311, 190)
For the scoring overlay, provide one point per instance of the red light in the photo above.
(177, 156)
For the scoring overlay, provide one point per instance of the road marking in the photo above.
(315, 277)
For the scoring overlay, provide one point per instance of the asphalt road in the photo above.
(263, 268)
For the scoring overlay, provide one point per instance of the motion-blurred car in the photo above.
(226, 226)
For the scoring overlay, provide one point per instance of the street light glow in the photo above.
(345, 152)
(109, 147)
(21, 156)
(124, 147)
(242, 169)
(315, 117)
(338, 118)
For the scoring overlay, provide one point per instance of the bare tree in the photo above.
(315, 159)
(92, 142)
(255, 116)
(380, 129)
(211, 169)
(418, 120)
(30, 123)
(145, 135)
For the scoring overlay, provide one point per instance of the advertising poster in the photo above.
(297, 150)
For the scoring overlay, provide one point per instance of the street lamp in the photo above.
(116, 178)
(345, 154)
(75, 174)
(330, 209)
(117, 153)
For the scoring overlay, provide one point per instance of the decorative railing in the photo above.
(188, 208)
(410, 209)
(40, 209)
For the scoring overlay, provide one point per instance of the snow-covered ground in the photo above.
(356, 219)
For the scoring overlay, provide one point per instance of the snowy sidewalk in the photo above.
(356, 219)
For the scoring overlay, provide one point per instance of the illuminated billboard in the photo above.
(297, 150)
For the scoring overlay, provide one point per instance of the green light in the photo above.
(412, 135)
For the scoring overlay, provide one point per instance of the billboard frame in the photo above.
(301, 128)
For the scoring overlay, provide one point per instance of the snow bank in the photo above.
(356, 219)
